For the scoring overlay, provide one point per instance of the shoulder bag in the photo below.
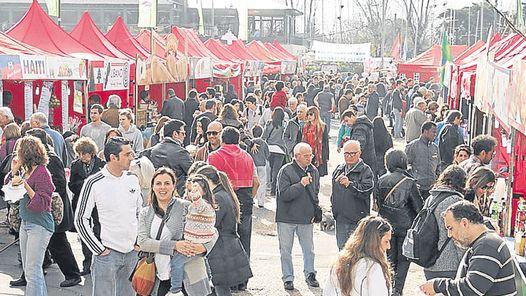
(143, 275)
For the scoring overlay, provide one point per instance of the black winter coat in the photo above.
(449, 140)
(293, 204)
(352, 203)
(78, 175)
(58, 176)
(228, 260)
(362, 131)
(403, 204)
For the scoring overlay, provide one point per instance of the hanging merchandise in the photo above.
(77, 98)
(28, 99)
(65, 104)
(45, 97)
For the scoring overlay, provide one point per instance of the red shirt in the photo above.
(279, 99)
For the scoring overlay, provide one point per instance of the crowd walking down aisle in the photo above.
(381, 190)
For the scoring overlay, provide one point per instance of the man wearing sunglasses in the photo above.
(352, 184)
(213, 136)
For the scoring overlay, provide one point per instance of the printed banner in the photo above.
(45, 96)
(200, 68)
(518, 93)
(77, 98)
(33, 67)
(10, 67)
(28, 99)
(66, 68)
(65, 105)
(352, 53)
(116, 76)
(147, 14)
(254, 68)
(288, 67)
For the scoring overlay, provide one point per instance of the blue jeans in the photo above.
(286, 240)
(177, 271)
(326, 118)
(343, 232)
(398, 124)
(110, 273)
(262, 189)
(33, 244)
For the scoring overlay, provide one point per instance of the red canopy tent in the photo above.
(221, 51)
(36, 28)
(276, 52)
(144, 40)
(279, 47)
(123, 40)
(87, 33)
(239, 49)
(427, 64)
(272, 63)
(9, 45)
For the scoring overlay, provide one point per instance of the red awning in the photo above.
(87, 33)
(279, 47)
(221, 51)
(36, 28)
(10, 45)
(119, 36)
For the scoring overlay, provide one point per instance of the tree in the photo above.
(418, 14)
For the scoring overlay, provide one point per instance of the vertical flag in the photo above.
(147, 14)
(446, 58)
(53, 7)
(395, 49)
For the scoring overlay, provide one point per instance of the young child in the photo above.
(260, 157)
(198, 229)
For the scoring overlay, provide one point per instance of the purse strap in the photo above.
(163, 221)
(396, 186)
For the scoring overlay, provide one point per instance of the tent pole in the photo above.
(136, 85)
(509, 186)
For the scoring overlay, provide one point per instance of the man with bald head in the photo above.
(213, 135)
(352, 184)
(297, 192)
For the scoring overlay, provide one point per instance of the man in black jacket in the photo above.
(171, 153)
(173, 107)
(352, 184)
(190, 106)
(210, 112)
(297, 194)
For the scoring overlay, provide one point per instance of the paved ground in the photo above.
(265, 254)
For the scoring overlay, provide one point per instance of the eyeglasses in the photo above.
(350, 154)
(310, 114)
(212, 133)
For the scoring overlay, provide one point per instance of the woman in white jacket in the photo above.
(362, 268)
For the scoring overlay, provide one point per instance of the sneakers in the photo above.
(288, 285)
(311, 280)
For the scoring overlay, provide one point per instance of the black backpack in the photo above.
(421, 241)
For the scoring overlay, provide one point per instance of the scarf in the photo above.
(314, 138)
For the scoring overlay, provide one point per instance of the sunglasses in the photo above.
(310, 114)
(487, 187)
(212, 133)
(350, 154)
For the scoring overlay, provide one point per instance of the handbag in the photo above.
(57, 208)
(143, 275)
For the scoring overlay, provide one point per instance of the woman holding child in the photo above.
(165, 205)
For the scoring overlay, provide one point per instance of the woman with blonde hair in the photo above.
(362, 268)
(316, 134)
(144, 169)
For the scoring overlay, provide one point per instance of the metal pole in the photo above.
(213, 20)
(509, 187)
(481, 19)
(59, 16)
(382, 36)
(469, 25)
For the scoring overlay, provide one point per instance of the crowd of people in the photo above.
(187, 193)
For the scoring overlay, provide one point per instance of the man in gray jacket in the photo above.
(424, 158)
(414, 119)
(325, 102)
(173, 107)
(294, 129)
